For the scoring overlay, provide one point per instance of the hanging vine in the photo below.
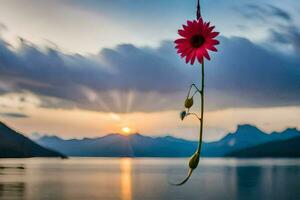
(197, 37)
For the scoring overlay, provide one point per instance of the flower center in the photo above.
(197, 41)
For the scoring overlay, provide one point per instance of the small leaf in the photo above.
(182, 114)
(189, 103)
(194, 161)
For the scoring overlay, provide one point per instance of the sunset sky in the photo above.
(87, 68)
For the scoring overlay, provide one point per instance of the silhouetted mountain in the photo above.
(15, 145)
(245, 136)
(286, 148)
(116, 145)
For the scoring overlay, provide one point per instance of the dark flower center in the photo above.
(197, 41)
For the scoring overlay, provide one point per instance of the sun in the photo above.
(126, 130)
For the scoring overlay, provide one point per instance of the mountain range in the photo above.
(283, 148)
(245, 136)
(246, 142)
(117, 145)
(15, 145)
(137, 145)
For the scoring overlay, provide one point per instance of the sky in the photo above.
(87, 68)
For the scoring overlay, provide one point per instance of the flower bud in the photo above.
(189, 103)
(194, 160)
(182, 114)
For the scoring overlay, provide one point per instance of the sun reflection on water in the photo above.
(126, 190)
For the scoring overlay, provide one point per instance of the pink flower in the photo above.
(197, 38)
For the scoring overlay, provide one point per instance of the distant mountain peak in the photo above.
(249, 131)
(50, 137)
(15, 145)
(292, 129)
(246, 127)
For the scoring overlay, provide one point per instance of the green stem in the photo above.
(195, 158)
(202, 110)
(191, 86)
(194, 114)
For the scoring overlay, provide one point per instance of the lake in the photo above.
(148, 179)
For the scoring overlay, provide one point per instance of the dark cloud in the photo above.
(130, 78)
(280, 13)
(264, 11)
(14, 115)
(280, 33)
(86, 82)
(248, 74)
(289, 35)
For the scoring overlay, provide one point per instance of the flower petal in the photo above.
(181, 40)
(193, 57)
(213, 34)
(206, 55)
(212, 48)
(199, 55)
(189, 23)
(183, 33)
(185, 53)
(214, 42)
(185, 27)
(189, 56)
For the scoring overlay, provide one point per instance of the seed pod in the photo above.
(182, 114)
(194, 161)
(189, 103)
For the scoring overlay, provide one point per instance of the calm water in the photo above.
(145, 179)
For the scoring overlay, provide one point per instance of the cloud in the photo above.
(280, 33)
(275, 11)
(88, 81)
(251, 75)
(2, 27)
(129, 78)
(288, 35)
(14, 115)
(261, 12)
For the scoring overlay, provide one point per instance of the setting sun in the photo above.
(126, 130)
